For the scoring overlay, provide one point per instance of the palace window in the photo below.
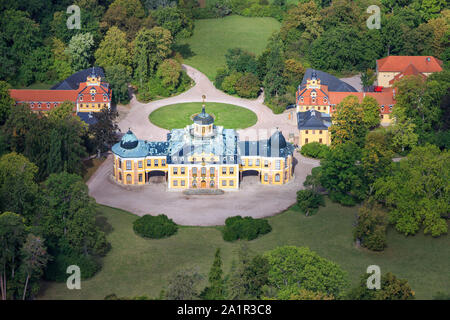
(313, 131)
(104, 97)
(211, 171)
(266, 163)
(277, 165)
(224, 170)
(39, 105)
(156, 163)
(194, 171)
(320, 140)
(183, 183)
(140, 177)
(183, 170)
(266, 177)
(48, 105)
(243, 162)
(320, 131)
(129, 179)
(175, 170)
(306, 140)
(277, 177)
(92, 97)
(250, 163)
(140, 164)
(175, 183)
(203, 171)
(128, 165)
(257, 162)
(149, 163)
(81, 98)
(231, 183)
(120, 164)
(163, 162)
(231, 170)
(224, 183)
(306, 131)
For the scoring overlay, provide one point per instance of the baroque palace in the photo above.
(203, 156)
(85, 89)
(320, 92)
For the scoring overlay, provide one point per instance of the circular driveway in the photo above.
(253, 200)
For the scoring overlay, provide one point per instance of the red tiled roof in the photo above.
(384, 98)
(400, 63)
(409, 71)
(43, 95)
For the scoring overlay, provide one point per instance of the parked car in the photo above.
(290, 106)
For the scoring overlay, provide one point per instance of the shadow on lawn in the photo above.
(184, 50)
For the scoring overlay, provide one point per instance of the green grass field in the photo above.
(179, 115)
(137, 266)
(206, 49)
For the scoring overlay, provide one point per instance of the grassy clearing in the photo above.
(206, 49)
(179, 115)
(137, 266)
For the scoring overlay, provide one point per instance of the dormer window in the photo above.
(39, 105)
(93, 97)
(48, 105)
(382, 108)
(81, 98)
(105, 97)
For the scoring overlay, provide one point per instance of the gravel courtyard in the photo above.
(252, 199)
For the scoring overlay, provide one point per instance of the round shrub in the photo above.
(244, 228)
(155, 227)
(248, 86)
(314, 150)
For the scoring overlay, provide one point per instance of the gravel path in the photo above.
(253, 199)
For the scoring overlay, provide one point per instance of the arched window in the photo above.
(277, 177)
(129, 178)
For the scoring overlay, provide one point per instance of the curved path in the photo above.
(137, 116)
(252, 199)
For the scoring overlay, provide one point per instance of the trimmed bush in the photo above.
(314, 150)
(244, 228)
(155, 227)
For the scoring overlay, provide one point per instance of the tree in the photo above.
(12, 236)
(174, 20)
(113, 49)
(239, 60)
(403, 135)
(35, 257)
(248, 86)
(370, 229)
(348, 122)
(368, 77)
(18, 125)
(299, 266)
(293, 71)
(104, 131)
(216, 288)
(62, 63)
(376, 156)
(431, 8)
(371, 112)
(341, 175)
(69, 221)
(151, 47)
(391, 288)
(6, 102)
(274, 82)
(169, 71)
(229, 83)
(183, 285)
(18, 189)
(309, 201)
(416, 193)
(80, 50)
(118, 77)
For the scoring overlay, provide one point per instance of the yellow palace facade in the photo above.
(202, 156)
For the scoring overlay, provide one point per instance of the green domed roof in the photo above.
(129, 140)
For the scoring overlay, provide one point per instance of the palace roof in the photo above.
(73, 82)
(275, 146)
(26, 96)
(332, 83)
(313, 120)
(424, 64)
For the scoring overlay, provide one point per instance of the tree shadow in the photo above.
(184, 50)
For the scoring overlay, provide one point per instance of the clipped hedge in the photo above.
(244, 228)
(155, 227)
(314, 150)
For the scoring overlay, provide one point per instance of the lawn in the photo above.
(206, 49)
(180, 115)
(136, 266)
